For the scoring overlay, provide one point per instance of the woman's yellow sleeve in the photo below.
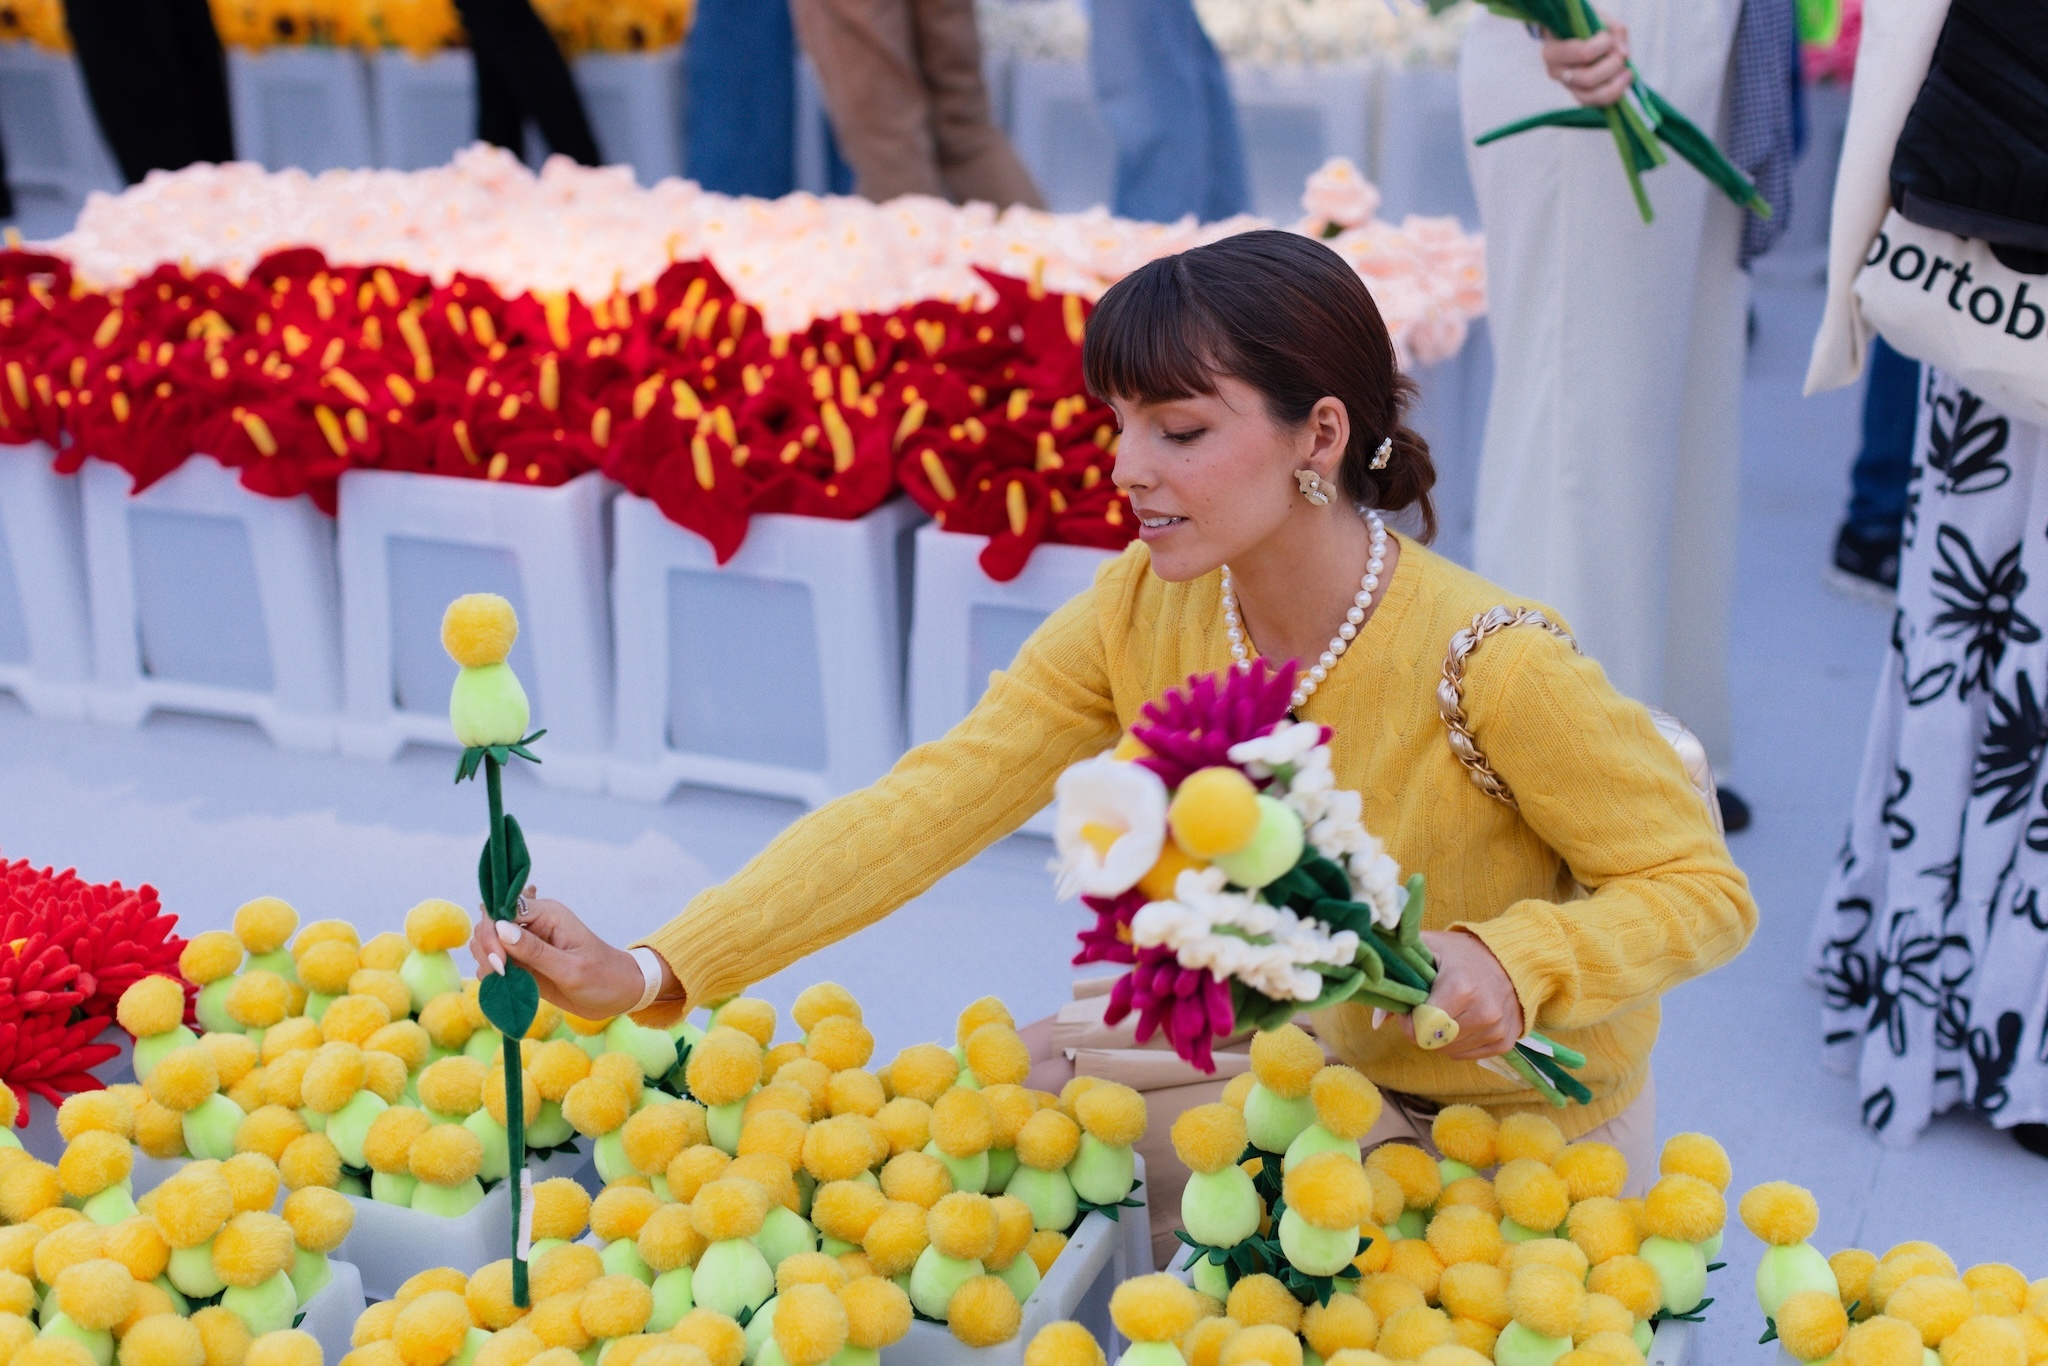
(853, 861)
(1599, 785)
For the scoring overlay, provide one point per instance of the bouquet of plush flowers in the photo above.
(1223, 862)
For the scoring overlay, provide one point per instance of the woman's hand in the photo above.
(1594, 69)
(576, 970)
(1473, 989)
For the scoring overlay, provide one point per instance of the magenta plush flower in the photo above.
(1188, 1003)
(1194, 727)
(1110, 940)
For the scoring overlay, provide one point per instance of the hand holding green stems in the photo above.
(489, 711)
(1638, 122)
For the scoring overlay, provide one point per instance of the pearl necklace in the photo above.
(1240, 654)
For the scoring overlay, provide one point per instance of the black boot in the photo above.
(1865, 568)
(1734, 811)
(2032, 1137)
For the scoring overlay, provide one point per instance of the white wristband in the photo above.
(655, 971)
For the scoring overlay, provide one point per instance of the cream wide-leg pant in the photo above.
(1607, 483)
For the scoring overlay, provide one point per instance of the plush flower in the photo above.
(1338, 197)
(1110, 828)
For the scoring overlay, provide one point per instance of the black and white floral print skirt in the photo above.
(1932, 940)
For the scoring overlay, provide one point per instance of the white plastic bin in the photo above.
(1293, 119)
(52, 139)
(1097, 1259)
(423, 109)
(779, 672)
(45, 629)
(330, 1316)
(209, 598)
(1419, 146)
(965, 625)
(412, 543)
(390, 1244)
(1672, 1345)
(1058, 133)
(635, 104)
(301, 106)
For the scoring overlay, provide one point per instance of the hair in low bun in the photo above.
(1286, 315)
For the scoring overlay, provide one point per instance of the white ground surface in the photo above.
(212, 815)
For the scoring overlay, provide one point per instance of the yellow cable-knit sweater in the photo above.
(1603, 800)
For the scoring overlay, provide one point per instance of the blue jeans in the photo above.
(741, 98)
(1161, 89)
(1877, 483)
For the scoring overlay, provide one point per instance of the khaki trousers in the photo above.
(902, 81)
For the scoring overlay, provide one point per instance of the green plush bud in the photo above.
(684, 1031)
(1512, 1232)
(542, 1247)
(1449, 1171)
(1102, 1174)
(210, 1128)
(472, 1343)
(1150, 1354)
(833, 1247)
(856, 1356)
(1048, 1195)
(279, 961)
(723, 1122)
(1413, 1223)
(266, 1308)
(934, 1279)
(488, 707)
(7, 1138)
(611, 1161)
(760, 1339)
(1272, 1123)
(1316, 1251)
(1785, 1271)
(968, 1173)
(732, 1276)
(497, 1145)
(178, 1300)
(1645, 1336)
(484, 1045)
(1002, 1165)
(549, 1129)
(393, 1188)
(427, 975)
(98, 1341)
(317, 1003)
(672, 1299)
(1712, 1246)
(349, 1126)
(1316, 1139)
(1221, 1208)
(310, 1274)
(622, 1258)
(1275, 848)
(653, 1049)
(211, 1009)
(1682, 1268)
(1522, 1346)
(151, 1050)
(450, 1202)
(191, 1270)
(1021, 1275)
(1212, 1280)
(315, 1121)
(110, 1206)
(784, 1233)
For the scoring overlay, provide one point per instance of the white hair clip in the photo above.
(1382, 452)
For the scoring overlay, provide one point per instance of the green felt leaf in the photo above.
(1339, 989)
(519, 864)
(510, 999)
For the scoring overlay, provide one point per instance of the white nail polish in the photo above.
(509, 932)
(498, 964)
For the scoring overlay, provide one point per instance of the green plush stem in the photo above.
(515, 1086)
(1566, 1057)
(1564, 1081)
(1385, 998)
(1518, 1060)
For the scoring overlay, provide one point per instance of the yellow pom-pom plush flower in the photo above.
(1346, 1321)
(355, 1017)
(387, 1143)
(963, 1125)
(1475, 1290)
(446, 1155)
(226, 1337)
(997, 1055)
(1329, 1190)
(771, 1174)
(721, 1340)
(854, 1092)
(286, 1347)
(962, 1225)
(97, 1111)
(1045, 1247)
(1602, 1228)
(1388, 1199)
(1014, 1227)
(907, 1123)
(786, 1096)
(1686, 1208)
(1475, 1191)
(1066, 1343)
(1558, 1252)
(668, 1239)
(1415, 1331)
(136, 1244)
(455, 1086)
(1881, 1341)
(1112, 1113)
(152, 1005)
(596, 1106)
(2006, 1282)
(258, 999)
(430, 1329)
(382, 984)
(489, 1297)
(1207, 1138)
(1528, 1136)
(918, 1178)
(1780, 1213)
(556, 1066)
(1467, 1134)
(405, 1040)
(1545, 1299)
(983, 1312)
(446, 1022)
(1346, 1103)
(1413, 1260)
(655, 1135)
(310, 1160)
(838, 1042)
(614, 1306)
(1285, 1061)
(1986, 1340)
(561, 1209)
(478, 630)
(1811, 1324)
(837, 1149)
(27, 1189)
(878, 1313)
(333, 1077)
(254, 1180)
(724, 1066)
(1936, 1305)
(896, 1237)
(294, 1035)
(159, 1133)
(557, 1320)
(252, 1247)
(1630, 1280)
(192, 1206)
(777, 1133)
(65, 1247)
(923, 1072)
(263, 925)
(729, 1208)
(1261, 1345)
(1260, 1298)
(435, 926)
(1461, 1233)
(986, 1010)
(319, 1218)
(845, 1209)
(517, 1346)
(1049, 1140)
(183, 1079)
(94, 1161)
(1154, 1308)
(95, 1293)
(210, 956)
(1530, 1191)
(163, 1340)
(750, 1015)
(565, 1271)
(822, 1001)
(1215, 811)
(1853, 1268)
(326, 967)
(692, 1167)
(1420, 1179)
(1591, 1170)
(1696, 1155)
(494, 1094)
(810, 1324)
(620, 1210)
(234, 1057)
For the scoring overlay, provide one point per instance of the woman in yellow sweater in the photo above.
(1260, 407)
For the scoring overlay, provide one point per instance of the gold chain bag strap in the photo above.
(1450, 702)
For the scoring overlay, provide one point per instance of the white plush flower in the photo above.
(1337, 194)
(1287, 743)
(1110, 827)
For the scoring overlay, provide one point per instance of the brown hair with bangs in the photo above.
(1285, 315)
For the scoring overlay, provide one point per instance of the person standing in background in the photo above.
(1162, 89)
(1607, 483)
(740, 88)
(1867, 547)
(158, 81)
(903, 85)
(521, 75)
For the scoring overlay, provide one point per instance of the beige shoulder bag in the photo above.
(1450, 701)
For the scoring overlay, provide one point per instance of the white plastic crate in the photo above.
(1102, 1254)
(45, 630)
(423, 109)
(209, 598)
(1058, 133)
(1294, 118)
(330, 1316)
(307, 107)
(1419, 146)
(965, 625)
(411, 544)
(46, 121)
(635, 104)
(779, 672)
(390, 1244)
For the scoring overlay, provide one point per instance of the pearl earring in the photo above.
(1312, 488)
(1382, 452)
